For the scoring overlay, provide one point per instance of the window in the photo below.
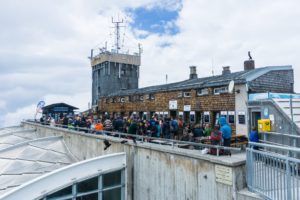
(221, 90)
(141, 98)
(242, 119)
(206, 117)
(111, 179)
(61, 193)
(109, 186)
(88, 185)
(123, 71)
(202, 92)
(231, 117)
(151, 96)
(112, 194)
(179, 95)
(122, 99)
(187, 94)
(106, 69)
(107, 100)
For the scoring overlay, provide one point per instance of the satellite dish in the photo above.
(231, 86)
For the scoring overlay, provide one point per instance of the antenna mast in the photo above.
(212, 67)
(117, 31)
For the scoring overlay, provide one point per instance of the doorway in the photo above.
(186, 116)
(173, 114)
(198, 117)
(255, 116)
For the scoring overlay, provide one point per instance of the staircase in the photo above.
(291, 107)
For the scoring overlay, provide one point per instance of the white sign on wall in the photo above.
(181, 113)
(187, 108)
(223, 174)
(173, 104)
(192, 112)
(166, 113)
(231, 113)
(223, 112)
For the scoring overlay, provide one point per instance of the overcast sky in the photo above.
(44, 44)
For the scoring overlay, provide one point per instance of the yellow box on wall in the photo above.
(264, 125)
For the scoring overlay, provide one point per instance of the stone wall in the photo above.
(211, 102)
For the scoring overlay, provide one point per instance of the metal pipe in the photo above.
(292, 149)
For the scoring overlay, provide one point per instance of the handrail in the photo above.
(143, 137)
(282, 134)
(289, 149)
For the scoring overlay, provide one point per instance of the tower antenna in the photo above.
(117, 32)
(212, 67)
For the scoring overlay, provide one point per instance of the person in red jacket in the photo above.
(215, 139)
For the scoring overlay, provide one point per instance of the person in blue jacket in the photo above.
(226, 132)
(253, 136)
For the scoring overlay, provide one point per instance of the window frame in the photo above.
(221, 91)
(200, 92)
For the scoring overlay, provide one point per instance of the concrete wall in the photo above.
(158, 171)
(241, 100)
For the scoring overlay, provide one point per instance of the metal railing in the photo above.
(273, 176)
(147, 139)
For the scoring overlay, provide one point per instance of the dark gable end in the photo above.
(279, 81)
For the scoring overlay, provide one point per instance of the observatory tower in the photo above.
(114, 70)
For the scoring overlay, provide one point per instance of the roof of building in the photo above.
(59, 105)
(24, 156)
(240, 77)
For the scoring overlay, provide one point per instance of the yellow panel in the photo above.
(264, 125)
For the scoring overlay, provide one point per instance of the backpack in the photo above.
(180, 124)
(174, 125)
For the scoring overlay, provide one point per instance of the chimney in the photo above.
(193, 73)
(249, 64)
(226, 70)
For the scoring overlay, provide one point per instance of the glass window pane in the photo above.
(93, 196)
(112, 179)
(88, 185)
(114, 194)
(61, 193)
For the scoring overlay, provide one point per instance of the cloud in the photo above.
(29, 111)
(45, 44)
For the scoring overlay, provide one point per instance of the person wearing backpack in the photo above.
(174, 129)
(180, 127)
(166, 129)
(216, 139)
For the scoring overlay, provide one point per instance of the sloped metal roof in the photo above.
(212, 81)
(25, 157)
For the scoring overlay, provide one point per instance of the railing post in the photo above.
(288, 180)
(250, 170)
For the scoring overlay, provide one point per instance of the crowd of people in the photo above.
(169, 128)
